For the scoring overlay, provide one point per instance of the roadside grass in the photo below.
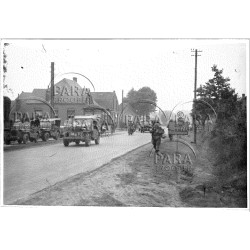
(135, 180)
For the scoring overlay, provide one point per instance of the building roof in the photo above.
(25, 95)
(105, 99)
(68, 83)
(39, 93)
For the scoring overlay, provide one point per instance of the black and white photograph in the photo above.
(125, 125)
(125, 122)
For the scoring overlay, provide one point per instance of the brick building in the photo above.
(70, 99)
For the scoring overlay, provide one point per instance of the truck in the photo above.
(17, 130)
(21, 132)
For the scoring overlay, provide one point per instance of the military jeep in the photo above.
(50, 128)
(82, 128)
(21, 132)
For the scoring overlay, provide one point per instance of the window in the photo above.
(70, 113)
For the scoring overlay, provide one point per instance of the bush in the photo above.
(228, 143)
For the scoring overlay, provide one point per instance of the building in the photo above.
(127, 113)
(69, 99)
(109, 101)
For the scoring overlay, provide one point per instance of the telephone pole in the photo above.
(122, 106)
(195, 87)
(52, 85)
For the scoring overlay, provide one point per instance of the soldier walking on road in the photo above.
(157, 133)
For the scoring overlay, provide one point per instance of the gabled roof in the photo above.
(104, 99)
(40, 93)
(68, 83)
(25, 95)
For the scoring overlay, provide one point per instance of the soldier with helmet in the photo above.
(157, 133)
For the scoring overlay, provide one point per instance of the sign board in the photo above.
(180, 114)
(179, 128)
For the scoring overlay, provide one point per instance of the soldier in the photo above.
(171, 126)
(131, 128)
(37, 122)
(157, 133)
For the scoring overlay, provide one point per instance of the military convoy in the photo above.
(21, 132)
(23, 129)
(32, 130)
(82, 129)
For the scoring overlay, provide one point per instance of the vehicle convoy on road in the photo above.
(82, 128)
(21, 132)
(24, 129)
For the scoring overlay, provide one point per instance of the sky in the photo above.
(164, 65)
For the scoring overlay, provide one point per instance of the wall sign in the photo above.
(73, 94)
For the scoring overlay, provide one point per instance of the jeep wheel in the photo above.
(77, 142)
(66, 143)
(97, 140)
(25, 138)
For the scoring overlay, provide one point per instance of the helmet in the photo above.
(156, 125)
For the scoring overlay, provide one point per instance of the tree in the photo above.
(5, 63)
(145, 93)
(218, 93)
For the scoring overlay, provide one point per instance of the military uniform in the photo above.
(157, 133)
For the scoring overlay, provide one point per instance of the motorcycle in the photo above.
(131, 130)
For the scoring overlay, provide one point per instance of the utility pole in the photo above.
(122, 106)
(195, 87)
(52, 86)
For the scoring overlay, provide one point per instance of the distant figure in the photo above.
(37, 122)
(104, 127)
(131, 128)
(171, 126)
(95, 126)
(113, 127)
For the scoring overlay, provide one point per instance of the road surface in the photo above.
(29, 170)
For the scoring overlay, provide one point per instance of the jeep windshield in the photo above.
(78, 122)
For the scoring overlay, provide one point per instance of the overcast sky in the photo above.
(166, 66)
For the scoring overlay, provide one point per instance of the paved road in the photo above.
(29, 170)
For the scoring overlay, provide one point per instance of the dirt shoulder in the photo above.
(135, 180)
